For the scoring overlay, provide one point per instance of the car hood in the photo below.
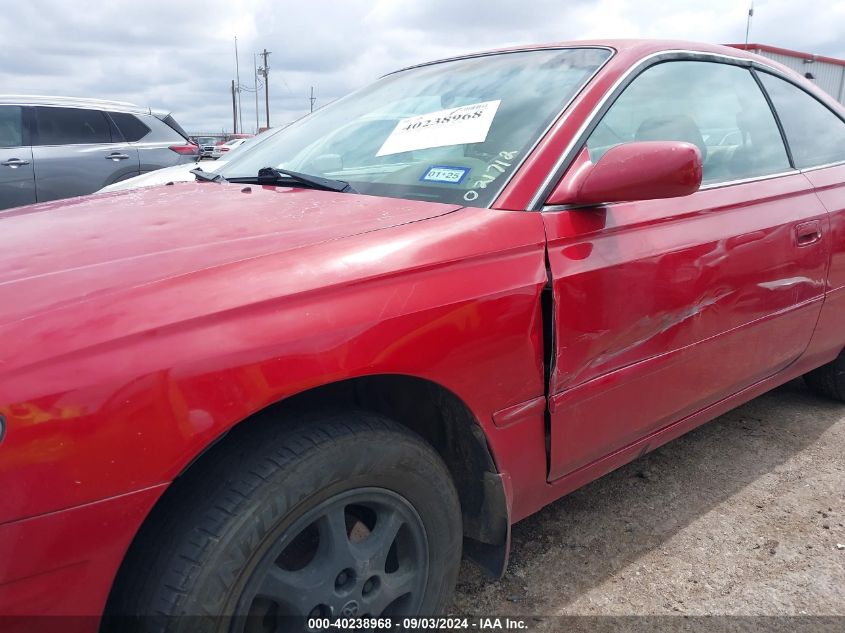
(55, 255)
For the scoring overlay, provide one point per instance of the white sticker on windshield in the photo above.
(455, 126)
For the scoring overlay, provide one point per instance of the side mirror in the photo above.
(642, 170)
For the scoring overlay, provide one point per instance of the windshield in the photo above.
(447, 132)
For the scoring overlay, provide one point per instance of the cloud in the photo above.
(179, 55)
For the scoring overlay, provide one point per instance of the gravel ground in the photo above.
(741, 517)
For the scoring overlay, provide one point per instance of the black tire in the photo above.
(828, 380)
(243, 516)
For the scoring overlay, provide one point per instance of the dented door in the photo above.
(664, 307)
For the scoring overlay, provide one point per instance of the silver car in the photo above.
(58, 147)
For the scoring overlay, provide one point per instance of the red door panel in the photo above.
(665, 306)
(830, 188)
(829, 338)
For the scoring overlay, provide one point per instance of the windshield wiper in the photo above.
(273, 176)
(206, 176)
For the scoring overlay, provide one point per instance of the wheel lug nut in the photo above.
(344, 579)
(371, 584)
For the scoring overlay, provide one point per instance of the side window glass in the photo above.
(815, 135)
(71, 126)
(161, 132)
(130, 126)
(717, 107)
(11, 126)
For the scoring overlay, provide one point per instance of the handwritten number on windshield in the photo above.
(493, 171)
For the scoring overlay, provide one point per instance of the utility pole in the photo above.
(312, 99)
(265, 70)
(748, 22)
(255, 85)
(234, 111)
(238, 77)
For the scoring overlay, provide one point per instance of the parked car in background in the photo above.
(207, 144)
(58, 147)
(303, 391)
(183, 173)
(222, 149)
(177, 173)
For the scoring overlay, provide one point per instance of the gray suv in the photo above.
(57, 147)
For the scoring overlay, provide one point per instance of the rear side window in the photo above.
(11, 126)
(70, 126)
(171, 123)
(717, 107)
(160, 132)
(130, 126)
(815, 135)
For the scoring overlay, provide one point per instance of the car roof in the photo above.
(635, 48)
(79, 102)
(631, 51)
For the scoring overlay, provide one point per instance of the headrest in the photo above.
(672, 127)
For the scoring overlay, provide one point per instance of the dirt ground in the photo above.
(740, 517)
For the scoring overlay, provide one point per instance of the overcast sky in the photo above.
(179, 55)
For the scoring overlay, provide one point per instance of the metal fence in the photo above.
(223, 136)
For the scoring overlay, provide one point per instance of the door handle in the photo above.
(117, 156)
(14, 162)
(808, 233)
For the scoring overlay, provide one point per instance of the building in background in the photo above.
(828, 73)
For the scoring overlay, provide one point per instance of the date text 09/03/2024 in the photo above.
(416, 624)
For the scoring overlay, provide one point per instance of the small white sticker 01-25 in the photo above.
(455, 126)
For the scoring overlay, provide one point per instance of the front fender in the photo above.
(452, 299)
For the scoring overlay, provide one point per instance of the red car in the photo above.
(306, 388)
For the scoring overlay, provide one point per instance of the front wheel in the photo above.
(347, 516)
